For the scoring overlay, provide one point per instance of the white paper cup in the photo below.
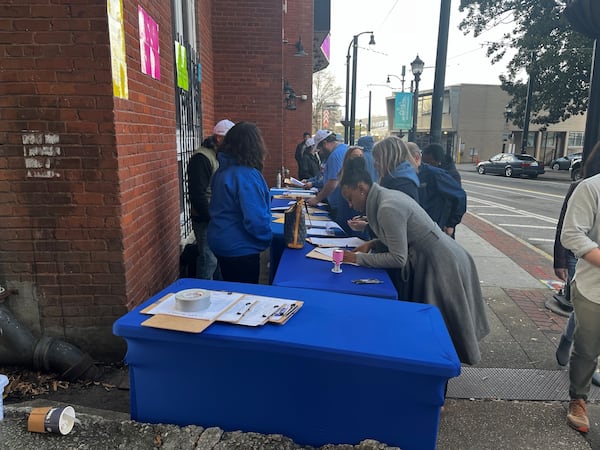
(51, 420)
(192, 300)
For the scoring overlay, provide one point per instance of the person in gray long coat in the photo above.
(433, 268)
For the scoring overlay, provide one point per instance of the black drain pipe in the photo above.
(18, 347)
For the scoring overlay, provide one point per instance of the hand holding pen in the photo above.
(358, 223)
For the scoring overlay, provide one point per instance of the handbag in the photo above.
(294, 225)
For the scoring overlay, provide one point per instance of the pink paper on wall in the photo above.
(149, 48)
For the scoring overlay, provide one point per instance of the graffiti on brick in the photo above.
(40, 151)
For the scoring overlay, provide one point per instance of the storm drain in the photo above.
(513, 384)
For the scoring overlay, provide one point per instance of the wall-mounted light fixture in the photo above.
(300, 48)
(289, 96)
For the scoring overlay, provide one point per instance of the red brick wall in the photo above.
(298, 22)
(89, 185)
(60, 241)
(205, 45)
(250, 65)
(89, 223)
(147, 155)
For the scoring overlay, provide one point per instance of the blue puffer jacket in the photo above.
(404, 178)
(240, 214)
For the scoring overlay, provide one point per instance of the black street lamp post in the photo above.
(530, 83)
(351, 123)
(416, 68)
(507, 112)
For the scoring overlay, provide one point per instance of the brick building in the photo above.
(97, 126)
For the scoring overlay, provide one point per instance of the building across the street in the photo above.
(476, 125)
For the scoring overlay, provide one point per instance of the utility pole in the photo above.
(528, 103)
(437, 100)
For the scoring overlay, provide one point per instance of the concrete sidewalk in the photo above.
(524, 335)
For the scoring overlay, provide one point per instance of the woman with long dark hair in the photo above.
(240, 215)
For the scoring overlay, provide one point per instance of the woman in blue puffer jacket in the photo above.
(240, 216)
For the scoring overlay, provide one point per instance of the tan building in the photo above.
(475, 127)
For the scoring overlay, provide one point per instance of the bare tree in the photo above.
(326, 97)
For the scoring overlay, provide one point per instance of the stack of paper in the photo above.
(231, 307)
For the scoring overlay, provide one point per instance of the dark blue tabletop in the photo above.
(295, 269)
(379, 332)
(278, 242)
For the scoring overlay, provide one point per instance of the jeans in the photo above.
(243, 269)
(207, 267)
(586, 345)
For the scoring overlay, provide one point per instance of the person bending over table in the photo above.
(326, 141)
(240, 209)
(428, 265)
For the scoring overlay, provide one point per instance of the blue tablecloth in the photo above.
(297, 270)
(278, 241)
(345, 368)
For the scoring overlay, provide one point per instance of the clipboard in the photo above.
(196, 325)
(318, 255)
(168, 322)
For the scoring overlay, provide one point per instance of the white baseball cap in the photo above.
(222, 127)
(321, 135)
(310, 142)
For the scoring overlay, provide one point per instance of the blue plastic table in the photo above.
(343, 369)
(296, 270)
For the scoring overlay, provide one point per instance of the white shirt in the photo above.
(581, 233)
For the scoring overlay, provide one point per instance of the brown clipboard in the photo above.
(318, 255)
(176, 323)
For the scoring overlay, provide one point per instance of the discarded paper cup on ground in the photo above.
(51, 420)
(192, 300)
(3, 382)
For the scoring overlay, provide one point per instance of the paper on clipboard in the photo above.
(263, 309)
(349, 242)
(328, 224)
(291, 181)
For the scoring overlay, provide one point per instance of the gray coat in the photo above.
(432, 267)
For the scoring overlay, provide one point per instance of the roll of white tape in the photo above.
(192, 300)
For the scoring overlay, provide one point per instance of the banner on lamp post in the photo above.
(403, 111)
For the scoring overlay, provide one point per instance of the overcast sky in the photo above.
(403, 29)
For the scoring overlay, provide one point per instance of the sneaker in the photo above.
(577, 416)
(563, 351)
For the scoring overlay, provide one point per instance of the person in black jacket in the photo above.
(203, 164)
(299, 152)
(435, 156)
(439, 194)
(311, 164)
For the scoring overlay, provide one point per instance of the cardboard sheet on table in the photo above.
(168, 322)
(175, 323)
(311, 218)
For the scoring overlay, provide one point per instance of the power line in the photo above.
(387, 16)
